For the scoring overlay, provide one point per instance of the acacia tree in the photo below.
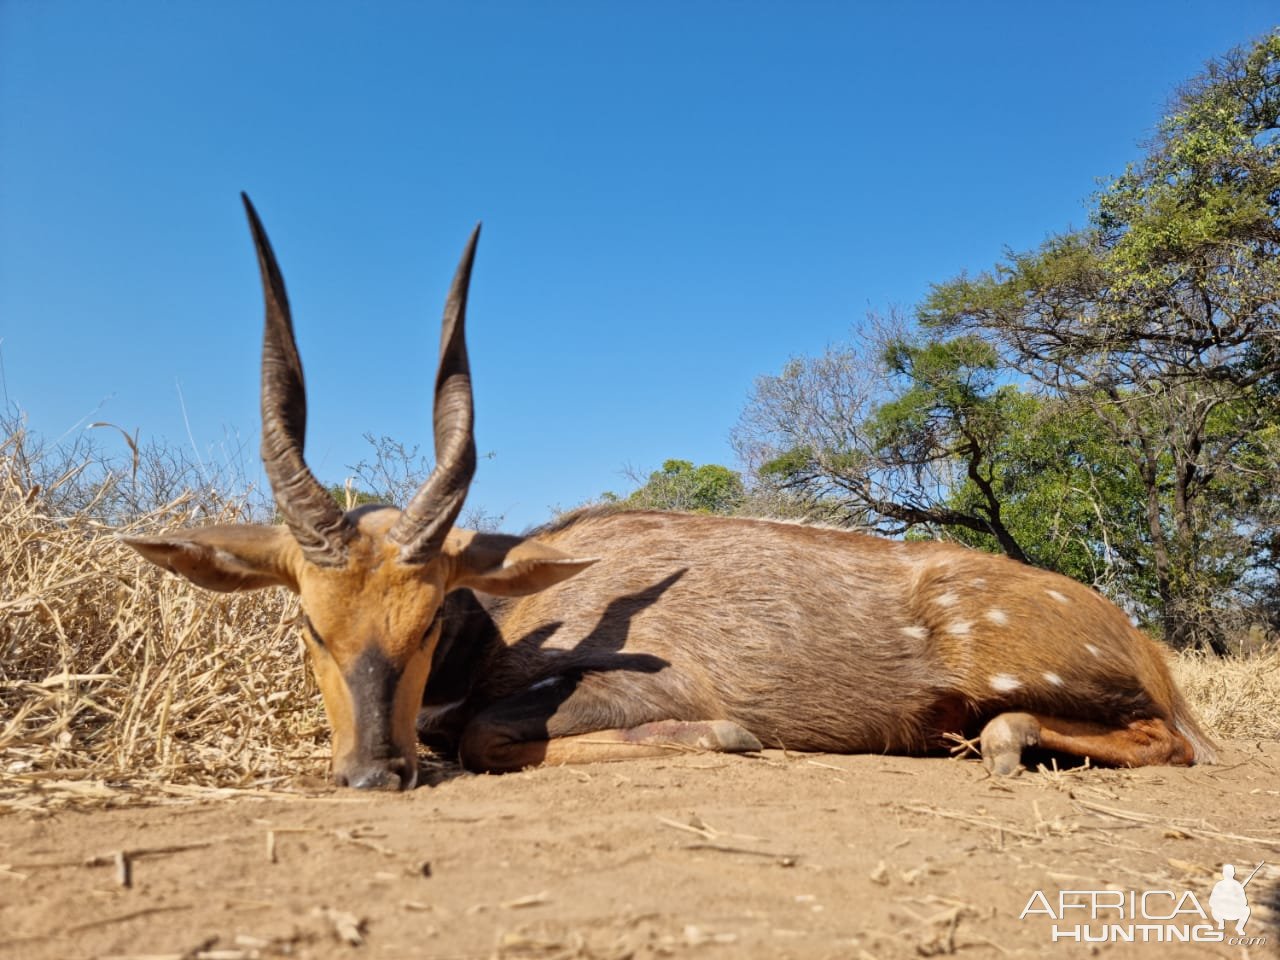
(1150, 347)
(1163, 316)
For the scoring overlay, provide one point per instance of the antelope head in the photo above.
(371, 581)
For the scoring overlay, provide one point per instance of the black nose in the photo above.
(389, 774)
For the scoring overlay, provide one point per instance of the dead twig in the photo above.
(783, 859)
(122, 917)
(364, 840)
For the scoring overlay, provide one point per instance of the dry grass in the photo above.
(1236, 697)
(111, 670)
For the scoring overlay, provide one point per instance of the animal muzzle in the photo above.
(392, 773)
(376, 761)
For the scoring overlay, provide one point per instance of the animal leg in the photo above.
(1139, 743)
(491, 751)
(570, 722)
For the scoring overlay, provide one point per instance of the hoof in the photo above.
(1004, 739)
(731, 738)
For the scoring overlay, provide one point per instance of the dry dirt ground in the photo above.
(701, 856)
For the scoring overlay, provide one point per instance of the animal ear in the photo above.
(226, 558)
(509, 566)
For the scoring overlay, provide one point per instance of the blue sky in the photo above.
(677, 197)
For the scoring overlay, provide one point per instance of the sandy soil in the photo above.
(696, 856)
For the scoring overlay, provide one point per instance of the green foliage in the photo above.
(1066, 494)
(787, 464)
(1208, 190)
(679, 485)
(950, 404)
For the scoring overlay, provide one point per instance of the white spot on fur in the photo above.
(916, 633)
(1060, 597)
(544, 682)
(1093, 650)
(1003, 683)
(978, 582)
(947, 599)
(1053, 678)
(960, 629)
(997, 616)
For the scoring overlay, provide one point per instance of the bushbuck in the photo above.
(675, 632)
